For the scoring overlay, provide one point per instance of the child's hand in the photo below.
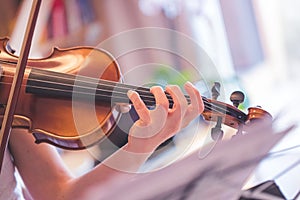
(156, 126)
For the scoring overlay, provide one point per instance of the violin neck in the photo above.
(82, 88)
(60, 85)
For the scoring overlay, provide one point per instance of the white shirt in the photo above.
(10, 189)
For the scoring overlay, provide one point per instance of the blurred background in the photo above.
(250, 45)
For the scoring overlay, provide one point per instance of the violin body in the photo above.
(50, 118)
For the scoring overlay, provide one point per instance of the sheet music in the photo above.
(220, 175)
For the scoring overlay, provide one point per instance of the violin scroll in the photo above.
(257, 113)
(230, 115)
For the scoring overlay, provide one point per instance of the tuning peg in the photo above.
(216, 132)
(237, 98)
(215, 90)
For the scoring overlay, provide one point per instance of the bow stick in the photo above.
(17, 81)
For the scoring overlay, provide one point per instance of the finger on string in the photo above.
(180, 105)
(196, 105)
(160, 97)
(178, 98)
(139, 106)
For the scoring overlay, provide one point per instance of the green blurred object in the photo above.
(164, 76)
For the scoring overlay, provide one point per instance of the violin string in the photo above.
(107, 96)
(92, 80)
(116, 85)
(208, 104)
(105, 82)
(144, 92)
(140, 90)
(119, 98)
(110, 83)
(100, 81)
(122, 97)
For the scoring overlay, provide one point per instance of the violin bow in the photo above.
(17, 80)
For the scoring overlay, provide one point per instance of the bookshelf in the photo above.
(61, 23)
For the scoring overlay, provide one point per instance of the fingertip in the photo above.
(134, 97)
(129, 93)
(155, 88)
(160, 96)
(195, 95)
(188, 85)
(170, 88)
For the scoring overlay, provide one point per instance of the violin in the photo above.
(69, 98)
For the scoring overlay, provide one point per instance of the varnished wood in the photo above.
(52, 119)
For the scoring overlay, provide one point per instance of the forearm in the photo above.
(119, 167)
(46, 177)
